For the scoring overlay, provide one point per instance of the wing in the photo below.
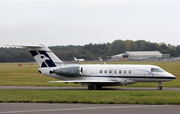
(85, 81)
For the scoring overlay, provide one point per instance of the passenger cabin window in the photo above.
(129, 71)
(119, 71)
(110, 71)
(100, 71)
(105, 71)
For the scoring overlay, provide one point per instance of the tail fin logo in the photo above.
(43, 58)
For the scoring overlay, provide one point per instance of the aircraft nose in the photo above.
(170, 76)
(173, 77)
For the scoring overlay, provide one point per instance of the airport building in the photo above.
(140, 55)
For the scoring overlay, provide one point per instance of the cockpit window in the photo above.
(157, 70)
(153, 69)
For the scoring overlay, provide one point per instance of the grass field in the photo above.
(27, 75)
(94, 96)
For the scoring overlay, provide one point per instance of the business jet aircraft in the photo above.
(78, 59)
(95, 76)
(100, 59)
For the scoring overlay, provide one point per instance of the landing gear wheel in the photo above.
(91, 87)
(99, 87)
(159, 87)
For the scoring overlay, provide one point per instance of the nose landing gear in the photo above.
(160, 86)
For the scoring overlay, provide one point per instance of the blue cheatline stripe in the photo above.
(133, 77)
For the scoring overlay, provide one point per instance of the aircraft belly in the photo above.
(150, 79)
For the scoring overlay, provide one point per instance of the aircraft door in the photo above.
(110, 72)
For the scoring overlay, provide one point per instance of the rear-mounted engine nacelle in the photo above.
(69, 71)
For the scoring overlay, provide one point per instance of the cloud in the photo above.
(82, 21)
(91, 2)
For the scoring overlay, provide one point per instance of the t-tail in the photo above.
(42, 54)
(75, 59)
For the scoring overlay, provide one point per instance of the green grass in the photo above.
(94, 96)
(27, 75)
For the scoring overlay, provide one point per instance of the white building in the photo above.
(137, 55)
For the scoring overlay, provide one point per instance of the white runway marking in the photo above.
(70, 109)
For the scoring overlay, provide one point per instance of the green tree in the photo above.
(116, 47)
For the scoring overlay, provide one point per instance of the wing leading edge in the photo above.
(84, 81)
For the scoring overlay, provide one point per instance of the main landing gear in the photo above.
(160, 86)
(92, 87)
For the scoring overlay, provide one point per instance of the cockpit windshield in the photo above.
(157, 70)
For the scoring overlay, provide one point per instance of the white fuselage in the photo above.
(120, 74)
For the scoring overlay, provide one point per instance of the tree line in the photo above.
(90, 51)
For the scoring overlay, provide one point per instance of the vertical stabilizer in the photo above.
(75, 59)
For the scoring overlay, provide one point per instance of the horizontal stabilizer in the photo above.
(27, 45)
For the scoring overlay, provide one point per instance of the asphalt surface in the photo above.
(44, 108)
(85, 88)
(56, 108)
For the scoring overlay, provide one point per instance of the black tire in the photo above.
(91, 87)
(159, 87)
(99, 87)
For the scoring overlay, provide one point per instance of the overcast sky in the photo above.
(80, 22)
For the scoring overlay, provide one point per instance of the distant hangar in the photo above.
(140, 55)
